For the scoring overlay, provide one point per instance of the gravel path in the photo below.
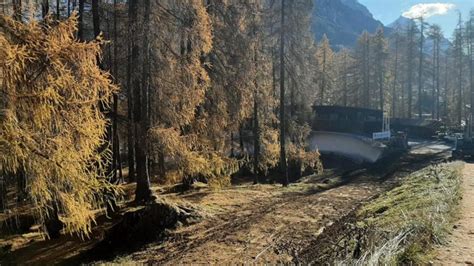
(460, 250)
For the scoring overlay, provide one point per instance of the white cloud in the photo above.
(428, 10)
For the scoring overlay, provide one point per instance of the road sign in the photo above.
(381, 135)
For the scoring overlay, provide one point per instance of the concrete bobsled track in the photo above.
(354, 147)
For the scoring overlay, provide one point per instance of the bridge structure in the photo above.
(352, 146)
(349, 131)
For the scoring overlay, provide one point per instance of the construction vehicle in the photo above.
(464, 148)
(464, 144)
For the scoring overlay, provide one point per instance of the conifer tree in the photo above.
(51, 124)
(325, 57)
(420, 67)
(395, 73)
(345, 66)
(436, 36)
(410, 49)
(363, 67)
(470, 58)
(283, 162)
(380, 54)
(458, 48)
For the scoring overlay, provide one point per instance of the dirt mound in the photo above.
(141, 225)
(123, 233)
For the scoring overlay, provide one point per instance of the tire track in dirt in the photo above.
(276, 228)
(270, 231)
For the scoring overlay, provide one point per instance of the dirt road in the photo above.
(270, 229)
(265, 224)
(247, 223)
(460, 250)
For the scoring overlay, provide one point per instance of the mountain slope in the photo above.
(355, 5)
(342, 21)
(402, 23)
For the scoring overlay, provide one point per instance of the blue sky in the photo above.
(389, 10)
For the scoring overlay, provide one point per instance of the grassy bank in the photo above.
(402, 224)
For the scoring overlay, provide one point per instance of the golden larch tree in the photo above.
(51, 126)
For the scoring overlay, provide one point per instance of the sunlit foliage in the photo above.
(51, 125)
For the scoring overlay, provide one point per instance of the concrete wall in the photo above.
(347, 145)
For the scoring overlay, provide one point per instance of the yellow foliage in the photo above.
(179, 78)
(296, 150)
(270, 149)
(51, 126)
(188, 134)
(192, 157)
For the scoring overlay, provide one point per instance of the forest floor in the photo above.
(257, 224)
(460, 247)
(244, 223)
(268, 224)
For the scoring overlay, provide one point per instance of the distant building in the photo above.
(353, 120)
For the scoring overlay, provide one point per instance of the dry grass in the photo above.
(405, 222)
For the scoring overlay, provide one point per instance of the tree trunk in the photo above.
(44, 8)
(433, 90)
(381, 84)
(130, 92)
(395, 77)
(293, 89)
(80, 27)
(460, 77)
(256, 138)
(344, 97)
(420, 70)
(366, 75)
(459, 59)
(232, 146)
(52, 223)
(411, 37)
(283, 166)
(161, 166)
(117, 160)
(96, 17)
(274, 76)
(143, 192)
(21, 185)
(256, 126)
(471, 68)
(241, 140)
(438, 73)
(58, 12)
(17, 13)
(445, 102)
(109, 134)
(3, 192)
(323, 77)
